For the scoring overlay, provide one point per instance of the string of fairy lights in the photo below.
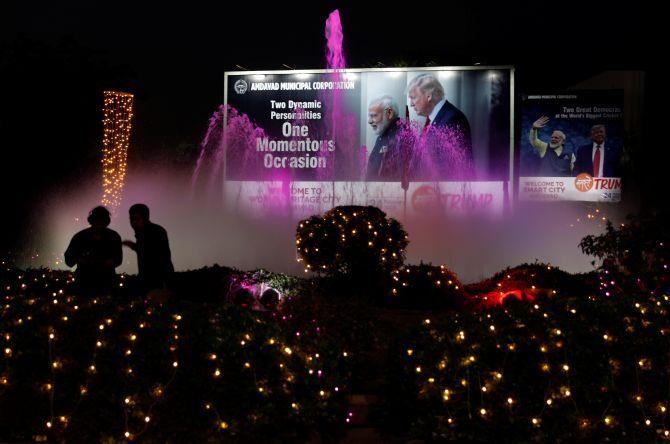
(440, 276)
(530, 362)
(327, 244)
(68, 309)
(448, 366)
(117, 124)
(113, 333)
(594, 215)
(325, 388)
(133, 403)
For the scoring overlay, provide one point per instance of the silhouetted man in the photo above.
(153, 250)
(96, 251)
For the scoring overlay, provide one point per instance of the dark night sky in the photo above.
(57, 57)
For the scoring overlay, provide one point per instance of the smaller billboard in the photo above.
(571, 146)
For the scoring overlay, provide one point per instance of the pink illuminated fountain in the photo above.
(237, 144)
(334, 39)
(428, 154)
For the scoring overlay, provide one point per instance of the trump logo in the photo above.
(584, 182)
(425, 198)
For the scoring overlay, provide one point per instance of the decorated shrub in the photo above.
(530, 283)
(567, 369)
(637, 249)
(115, 369)
(360, 243)
(426, 286)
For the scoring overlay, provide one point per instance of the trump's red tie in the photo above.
(426, 125)
(596, 162)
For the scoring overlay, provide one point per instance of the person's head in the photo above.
(381, 113)
(598, 134)
(99, 217)
(557, 139)
(139, 216)
(424, 92)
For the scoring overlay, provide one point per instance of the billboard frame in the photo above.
(511, 180)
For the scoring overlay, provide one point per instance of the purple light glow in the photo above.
(334, 39)
(214, 126)
(432, 153)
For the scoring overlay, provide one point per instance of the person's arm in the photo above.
(130, 244)
(539, 145)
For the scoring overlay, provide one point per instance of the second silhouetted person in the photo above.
(154, 261)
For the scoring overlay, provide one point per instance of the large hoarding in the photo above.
(571, 146)
(414, 141)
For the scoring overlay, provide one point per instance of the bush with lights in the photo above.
(635, 253)
(117, 368)
(566, 360)
(350, 322)
(529, 282)
(426, 286)
(566, 369)
(359, 243)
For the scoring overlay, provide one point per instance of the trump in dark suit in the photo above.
(445, 124)
(598, 158)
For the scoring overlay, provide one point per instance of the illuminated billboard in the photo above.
(571, 146)
(412, 141)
